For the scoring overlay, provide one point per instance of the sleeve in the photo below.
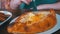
(39, 2)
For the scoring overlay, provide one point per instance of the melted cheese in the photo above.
(27, 17)
(33, 18)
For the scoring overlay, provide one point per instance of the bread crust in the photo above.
(37, 25)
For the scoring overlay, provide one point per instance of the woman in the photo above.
(41, 4)
(13, 5)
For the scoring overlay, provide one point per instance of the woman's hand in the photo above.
(49, 6)
(13, 4)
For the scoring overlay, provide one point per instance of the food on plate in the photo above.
(34, 22)
(3, 17)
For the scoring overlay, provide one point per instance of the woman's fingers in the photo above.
(26, 1)
(45, 6)
(14, 3)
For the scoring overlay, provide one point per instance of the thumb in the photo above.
(45, 6)
(26, 1)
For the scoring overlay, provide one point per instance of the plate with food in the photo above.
(4, 16)
(40, 22)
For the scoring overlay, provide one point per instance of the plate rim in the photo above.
(6, 12)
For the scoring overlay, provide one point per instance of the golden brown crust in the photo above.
(38, 24)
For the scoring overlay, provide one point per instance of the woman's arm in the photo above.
(49, 6)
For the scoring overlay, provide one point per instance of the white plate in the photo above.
(54, 29)
(6, 13)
